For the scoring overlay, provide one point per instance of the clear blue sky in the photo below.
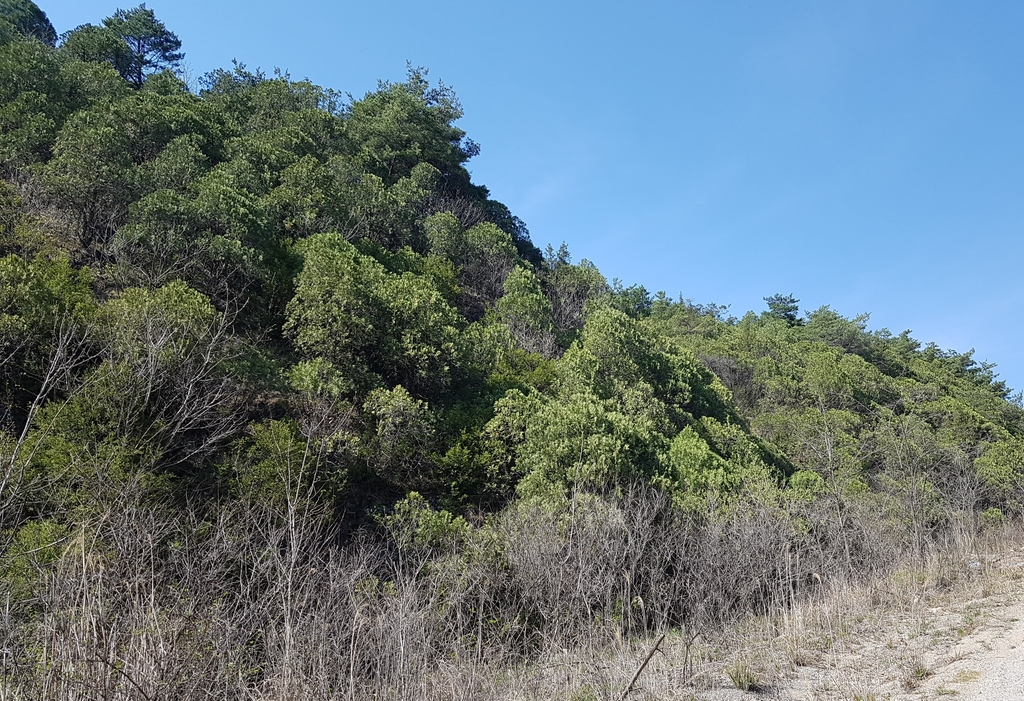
(865, 155)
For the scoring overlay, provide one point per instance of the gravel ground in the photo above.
(905, 638)
(956, 649)
(986, 665)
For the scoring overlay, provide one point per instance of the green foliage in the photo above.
(45, 307)
(415, 525)
(45, 86)
(484, 255)
(151, 46)
(32, 96)
(319, 377)
(383, 328)
(146, 396)
(527, 312)
(634, 300)
(582, 440)
(830, 327)
(34, 548)
(1001, 467)
(158, 399)
(94, 44)
(390, 215)
(41, 292)
(806, 484)
(783, 308)
(625, 408)
(400, 125)
(280, 468)
(152, 328)
(401, 439)
(571, 289)
(252, 103)
(992, 517)
(696, 468)
(28, 20)
(109, 156)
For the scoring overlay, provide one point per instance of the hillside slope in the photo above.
(291, 406)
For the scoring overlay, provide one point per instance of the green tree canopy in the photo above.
(378, 326)
(26, 17)
(400, 125)
(784, 307)
(97, 44)
(153, 47)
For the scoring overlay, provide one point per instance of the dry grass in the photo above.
(850, 640)
(158, 603)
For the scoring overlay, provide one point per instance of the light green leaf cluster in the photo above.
(402, 438)
(1001, 467)
(625, 408)
(285, 471)
(379, 326)
(527, 312)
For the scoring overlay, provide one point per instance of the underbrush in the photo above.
(539, 601)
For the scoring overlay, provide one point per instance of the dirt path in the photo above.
(925, 649)
(988, 664)
(955, 630)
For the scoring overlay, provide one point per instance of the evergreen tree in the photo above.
(27, 19)
(784, 307)
(153, 47)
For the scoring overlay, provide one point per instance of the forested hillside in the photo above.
(290, 407)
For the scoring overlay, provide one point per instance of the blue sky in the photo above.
(868, 155)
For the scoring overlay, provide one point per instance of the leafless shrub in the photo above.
(245, 600)
(738, 377)
(468, 212)
(533, 339)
